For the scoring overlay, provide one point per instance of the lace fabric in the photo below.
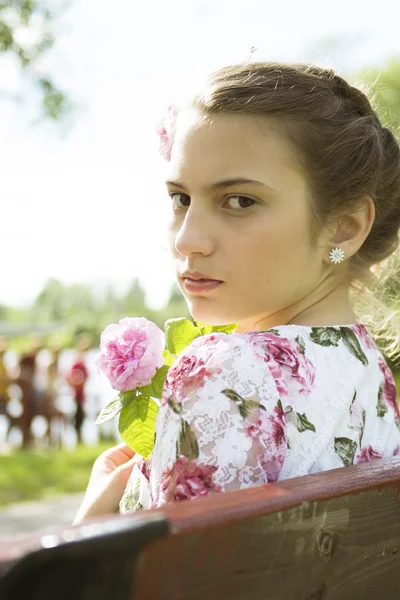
(244, 409)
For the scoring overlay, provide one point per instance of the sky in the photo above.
(84, 201)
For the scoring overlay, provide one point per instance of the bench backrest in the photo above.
(332, 535)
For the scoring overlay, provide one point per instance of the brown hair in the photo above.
(345, 150)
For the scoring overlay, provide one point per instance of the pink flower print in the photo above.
(389, 387)
(396, 451)
(130, 353)
(186, 374)
(165, 130)
(284, 358)
(362, 332)
(270, 443)
(367, 454)
(187, 480)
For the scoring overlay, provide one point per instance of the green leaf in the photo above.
(109, 411)
(353, 345)
(155, 388)
(137, 424)
(346, 449)
(187, 444)
(274, 332)
(279, 405)
(127, 397)
(325, 336)
(301, 343)
(207, 329)
(245, 406)
(381, 408)
(179, 333)
(204, 329)
(169, 358)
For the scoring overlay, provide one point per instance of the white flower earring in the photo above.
(336, 255)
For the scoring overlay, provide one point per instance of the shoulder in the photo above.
(212, 362)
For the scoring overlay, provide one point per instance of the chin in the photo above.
(209, 317)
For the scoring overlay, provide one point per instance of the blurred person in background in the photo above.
(4, 378)
(25, 382)
(77, 378)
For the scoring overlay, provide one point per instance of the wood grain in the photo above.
(334, 535)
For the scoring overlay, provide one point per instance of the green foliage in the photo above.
(41, 473)
(137, 424)
(179, 333)
(18, 16)
(384, 83)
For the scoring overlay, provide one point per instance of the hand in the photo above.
(107, 483)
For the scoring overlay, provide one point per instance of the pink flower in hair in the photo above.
(164, 131)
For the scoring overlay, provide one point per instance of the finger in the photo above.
(106, 498)
(120, 450)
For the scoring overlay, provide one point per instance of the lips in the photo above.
(200, 286)
(196, 276)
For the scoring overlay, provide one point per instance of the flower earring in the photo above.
(336, 255)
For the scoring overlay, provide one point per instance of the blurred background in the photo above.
(82, 237)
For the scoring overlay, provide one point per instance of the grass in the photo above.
(33, 475)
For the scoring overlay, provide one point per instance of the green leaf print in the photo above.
(353, 345)
(345, 448)
(325, 336)
(364, 414)
(137, 424)
(381, 408)
(175, 406)
(299, 421)
(187, 444)
(245, 406)
(352, 402)
(274, 332)
(179, 333)
(301, 343)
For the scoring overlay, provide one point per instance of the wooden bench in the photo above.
(328, 536)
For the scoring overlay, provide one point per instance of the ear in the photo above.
(349, 230)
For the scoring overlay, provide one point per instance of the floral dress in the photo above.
(239, 410)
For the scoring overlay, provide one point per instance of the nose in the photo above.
(194, 234)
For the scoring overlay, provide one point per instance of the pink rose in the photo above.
(165, 131)
(389, 387)
(367, 454)
(284, 357)
(130, 353)
(187, 480)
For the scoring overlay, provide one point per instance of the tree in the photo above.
(26, 33)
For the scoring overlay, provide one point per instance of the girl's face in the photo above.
(240, 215)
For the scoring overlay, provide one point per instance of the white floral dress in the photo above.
(244, 409)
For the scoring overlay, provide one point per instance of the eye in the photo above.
(179, 200)
(241, 202)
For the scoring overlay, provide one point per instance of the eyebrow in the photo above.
(225, 183)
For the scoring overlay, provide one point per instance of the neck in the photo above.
(326, 305)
